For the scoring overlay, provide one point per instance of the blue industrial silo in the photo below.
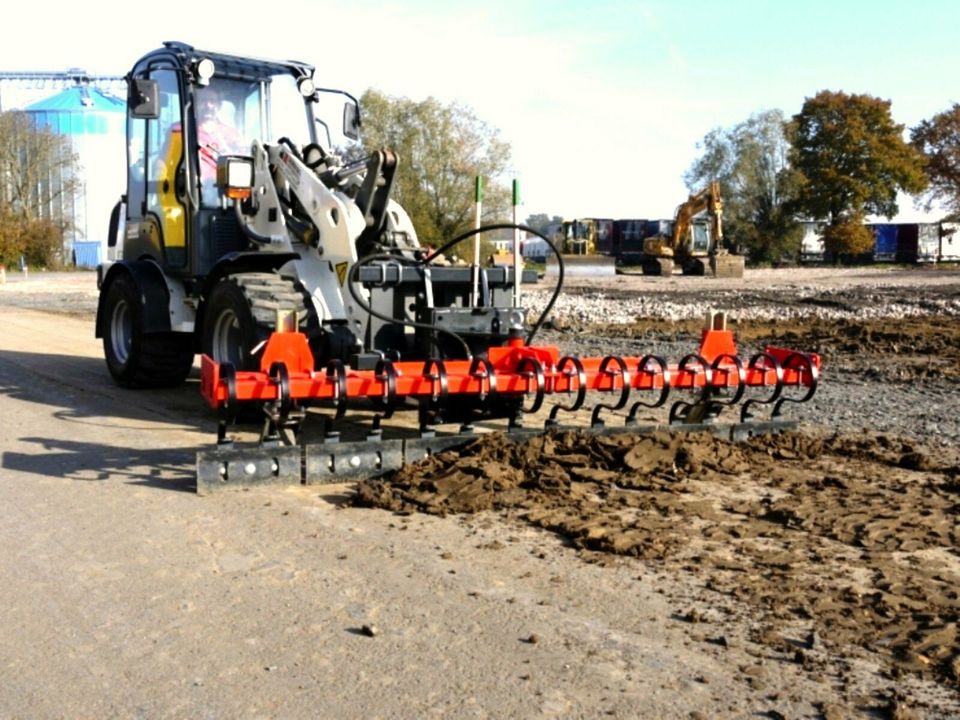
(94, 123)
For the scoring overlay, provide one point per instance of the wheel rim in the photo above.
(121, 331)
(226, 343)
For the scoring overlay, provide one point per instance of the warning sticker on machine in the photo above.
(341, 269)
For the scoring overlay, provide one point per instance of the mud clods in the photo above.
(854, 536)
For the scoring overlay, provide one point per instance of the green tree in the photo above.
(37, 170)
(442, 149)
(939, 140)
(751, 161)
(539, 221)
(852, 161)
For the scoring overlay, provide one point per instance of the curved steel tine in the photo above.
(227, 412)
(487, 373)
(386, 373)
(537, 373)
(741, 377)
(431, 409)
(664, 371)
(680, 410)
(281, 378)
(704, 367)
(624, 372)
(337, 371)
(810, 368)
(774, 364)
(438, 398)
(581, 376)
(228, 374)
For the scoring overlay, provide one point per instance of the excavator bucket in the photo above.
(508, 383)
(726, 266)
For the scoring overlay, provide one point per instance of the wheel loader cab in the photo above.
(185, 111)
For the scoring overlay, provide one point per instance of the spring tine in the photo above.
(535, 372)
(581, 376)
(281, 378)
(376, 432)
(741, 377)
(227, 412)
(768, 359)
(486, 373)
(386, 373)
(336, 371)
(664, 371)
(704, 366)
(482, 369)
(805, 364)
(595, 420)
(440, 377)
(680, 411)
(431, 408)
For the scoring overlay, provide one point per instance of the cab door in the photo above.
(156, 184)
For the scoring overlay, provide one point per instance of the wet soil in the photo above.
(776, 523)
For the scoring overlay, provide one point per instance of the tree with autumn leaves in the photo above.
(939, 140)
(852, 160)
(845, 159)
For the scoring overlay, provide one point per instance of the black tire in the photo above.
(230, 331)
(135, 359)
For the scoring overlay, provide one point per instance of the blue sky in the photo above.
(603, 102)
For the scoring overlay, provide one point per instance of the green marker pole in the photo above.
(478, 205)
(516, 245)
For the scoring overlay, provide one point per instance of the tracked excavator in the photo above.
(695, 247)
(304, 288)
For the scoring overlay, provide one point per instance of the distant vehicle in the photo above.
(696, 247)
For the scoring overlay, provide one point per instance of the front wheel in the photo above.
(230, 332)
(136, 359)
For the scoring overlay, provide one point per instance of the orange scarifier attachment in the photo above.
(509, 381)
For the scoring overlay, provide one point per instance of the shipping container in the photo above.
(949, 242)
(627, 239)
(918, 242)
(884, 242)
(604, 235)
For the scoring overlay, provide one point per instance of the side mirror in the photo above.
(351, 120)
(143, 99)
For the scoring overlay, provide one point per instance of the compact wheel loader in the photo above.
(303, 285)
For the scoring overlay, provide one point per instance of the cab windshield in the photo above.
(264, 109)
(231, 113)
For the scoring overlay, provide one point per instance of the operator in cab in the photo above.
(216, 135)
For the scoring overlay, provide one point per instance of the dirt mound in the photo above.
(854, 536)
